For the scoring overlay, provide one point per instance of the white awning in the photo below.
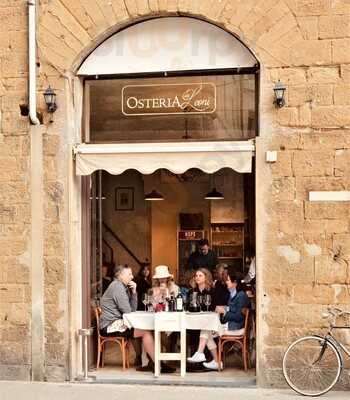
(175, 157)
(167, 44)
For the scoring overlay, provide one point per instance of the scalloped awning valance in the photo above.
(176, 157)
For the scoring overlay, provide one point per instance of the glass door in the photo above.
(96, 239)
(92, 253)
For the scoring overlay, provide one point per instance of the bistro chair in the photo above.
(241, 340)
(123, 343)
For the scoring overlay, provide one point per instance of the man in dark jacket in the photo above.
(203, 257)
(221, 294)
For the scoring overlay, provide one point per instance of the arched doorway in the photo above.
(161, 94)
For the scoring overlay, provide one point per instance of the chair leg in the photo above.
(98, 356)
(223, 356)
(219, 358)
(122, 346)
(220, 353)
(103, 348)
(244, 356)
(127, 348)
(248, 354)
(129, 354)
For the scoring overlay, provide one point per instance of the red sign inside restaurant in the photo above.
(190, 235)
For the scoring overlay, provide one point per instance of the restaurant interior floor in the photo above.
(233, 374)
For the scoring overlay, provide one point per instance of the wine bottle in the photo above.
(172, 304)
(179, 302)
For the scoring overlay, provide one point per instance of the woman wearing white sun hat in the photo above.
(163, 284)
(164, 287)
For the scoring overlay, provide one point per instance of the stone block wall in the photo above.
(305, 246)
(15, 299)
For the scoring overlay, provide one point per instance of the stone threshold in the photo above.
(246, 383)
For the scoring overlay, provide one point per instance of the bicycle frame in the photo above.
(327, 345)
(336, 343)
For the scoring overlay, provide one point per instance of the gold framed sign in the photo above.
(169, 98)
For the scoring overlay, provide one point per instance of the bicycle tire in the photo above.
(312, 365)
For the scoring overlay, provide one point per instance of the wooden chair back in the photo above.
(246, 312)
(242, 340)
(102, 340)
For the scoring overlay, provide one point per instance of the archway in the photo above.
(208, 56)
(168, 44)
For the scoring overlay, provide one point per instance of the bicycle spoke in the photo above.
(309, 367)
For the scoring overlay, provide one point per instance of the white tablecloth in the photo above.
(145, 320)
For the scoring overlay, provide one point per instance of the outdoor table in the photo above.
(209, 321)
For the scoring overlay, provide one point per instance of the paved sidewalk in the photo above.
(75, 391)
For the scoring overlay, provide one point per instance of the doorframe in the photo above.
(79, 254)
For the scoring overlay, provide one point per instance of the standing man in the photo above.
(203, 257)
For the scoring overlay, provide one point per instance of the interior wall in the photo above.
(150, 230)
(188, 197)
(133, 227)
(231, 208)
(180, 197)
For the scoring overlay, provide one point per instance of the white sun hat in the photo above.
(162, 271)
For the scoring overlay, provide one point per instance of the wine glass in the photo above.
(193, 301)
(207, 300)
(200, 301)
(150, 300)
(145, 300)
(185, 300)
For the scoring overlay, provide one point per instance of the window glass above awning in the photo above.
(176, 157)
(167, 44)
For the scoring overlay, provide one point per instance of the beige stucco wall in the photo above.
(303, 248)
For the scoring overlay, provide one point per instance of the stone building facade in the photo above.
(303, 247)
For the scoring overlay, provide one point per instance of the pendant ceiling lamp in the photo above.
(154, 196)
(214, 195)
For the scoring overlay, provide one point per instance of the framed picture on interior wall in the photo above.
(124, 198)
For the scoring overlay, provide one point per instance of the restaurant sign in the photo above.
(165, 99)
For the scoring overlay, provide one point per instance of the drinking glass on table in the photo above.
(145, 300)
(150, 305)
(207, 300)
(185, 300)
(200, 301)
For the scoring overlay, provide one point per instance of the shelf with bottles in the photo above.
(227, 234)
(228, 251)
(227, 241)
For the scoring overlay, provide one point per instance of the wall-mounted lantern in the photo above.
(279, 91)
(50, 100)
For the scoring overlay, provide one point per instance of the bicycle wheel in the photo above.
(311, 366)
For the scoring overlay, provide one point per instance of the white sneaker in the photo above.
(197, 357)
(212, 365)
